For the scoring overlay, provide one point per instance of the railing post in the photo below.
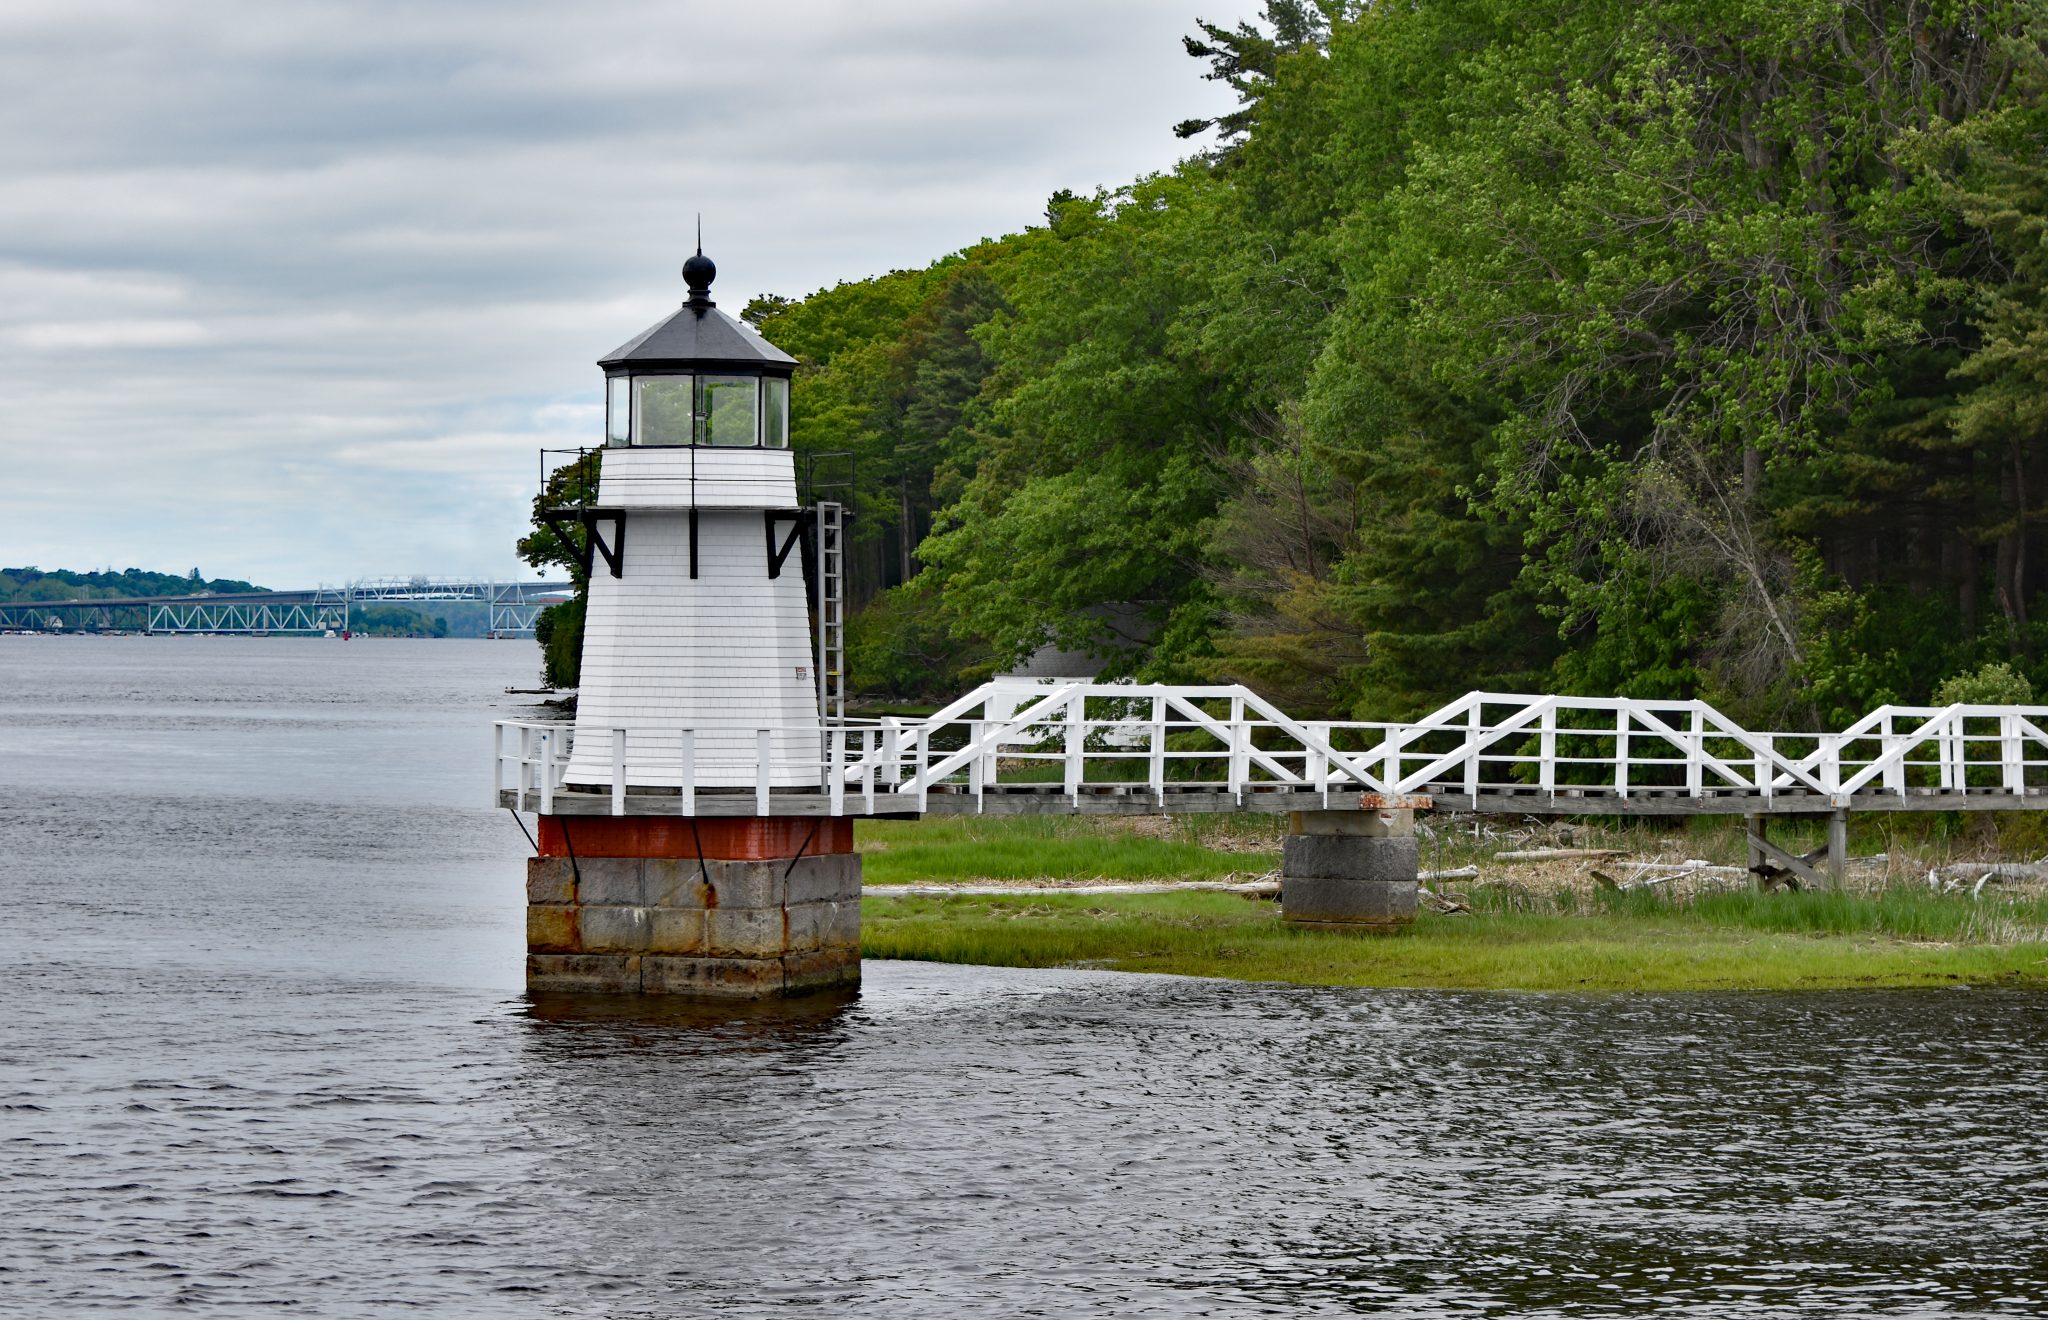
(1894, 773)
(975, 769)
(835, 757)
(1766, 764)
(1546, 750)
(991, 767)
(867, 769)
(1156, 775)
(1238, 736)
(2009, 755)
(618, 772)
(892, 752)
(547, 775)
(1319, 764)
(1621, 722)
(689, 772)
(763, 759)
(497, 762)
(520, 773)
(1076, 739)
(1472, 726)
(1696, 755)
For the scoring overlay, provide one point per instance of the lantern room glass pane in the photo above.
(774, 412)
(730, 405)
(618, 410)
(665, 409)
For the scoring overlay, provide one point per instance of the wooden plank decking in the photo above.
(1137, 800)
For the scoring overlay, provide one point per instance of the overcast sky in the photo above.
(295, 292)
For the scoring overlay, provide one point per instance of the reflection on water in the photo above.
(265, 1050)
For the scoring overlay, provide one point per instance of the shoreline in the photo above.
(1227, 936)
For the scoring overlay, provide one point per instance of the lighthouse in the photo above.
(698, 616)
(699, 684)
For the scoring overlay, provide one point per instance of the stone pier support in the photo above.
(1352, 870)
(736, 909)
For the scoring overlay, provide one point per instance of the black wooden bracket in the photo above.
(809, 558)
(778, 554)
(560, 520)
(615, 553)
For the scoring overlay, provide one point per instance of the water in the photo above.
(264, 1049)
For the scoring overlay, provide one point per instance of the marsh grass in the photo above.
(950, 848)
(1814, 941)
(1528, 928)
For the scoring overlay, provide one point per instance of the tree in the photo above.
(1246, 58)
(1092, 472)
(559, 628)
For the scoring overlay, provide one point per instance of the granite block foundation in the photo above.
(711, 927)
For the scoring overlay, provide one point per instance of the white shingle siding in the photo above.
(725, 654)
(634, 478)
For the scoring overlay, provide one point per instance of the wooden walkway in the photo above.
(1072, 747)
(1117, 800)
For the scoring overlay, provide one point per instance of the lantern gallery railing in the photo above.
(1072, 746)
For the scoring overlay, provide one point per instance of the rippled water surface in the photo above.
(264, 1049)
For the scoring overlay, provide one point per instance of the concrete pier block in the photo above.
(749, 884)
(1349, 857)
(746, 932)
(713, 978)
(615, 929)
(710, 927)
(553, 928)
(820, 970)
(611, 881)
(676, 931)
(550, 880)
(1364, 905)
(1383, 824)
(1355, 870)
(828, 879)
(582, 974)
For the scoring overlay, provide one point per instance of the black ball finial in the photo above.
(698, 272)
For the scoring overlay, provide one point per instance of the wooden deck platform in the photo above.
(1138, 800)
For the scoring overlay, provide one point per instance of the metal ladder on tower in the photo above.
(831, 610)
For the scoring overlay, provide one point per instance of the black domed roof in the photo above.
(700, 335)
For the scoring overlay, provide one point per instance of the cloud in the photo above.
(299, 290)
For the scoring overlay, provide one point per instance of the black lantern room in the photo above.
(699, 378)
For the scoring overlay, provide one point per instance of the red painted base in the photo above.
(725, 838)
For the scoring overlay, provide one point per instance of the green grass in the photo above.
(1518, 936)
(943, 848)
(1734, 941)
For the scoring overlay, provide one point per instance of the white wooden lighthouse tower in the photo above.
(698, 616)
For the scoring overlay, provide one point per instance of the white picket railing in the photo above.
(1156, 743)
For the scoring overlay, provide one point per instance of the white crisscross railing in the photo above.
(1159, 745)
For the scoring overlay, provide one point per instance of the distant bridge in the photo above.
(513, 608)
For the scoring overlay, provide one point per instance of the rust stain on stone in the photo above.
(1395, 802)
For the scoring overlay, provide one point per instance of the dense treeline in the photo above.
(1661, 350)
(34, 584)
